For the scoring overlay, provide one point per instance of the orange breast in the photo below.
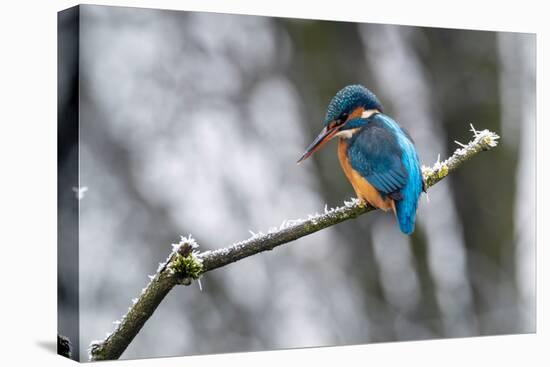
(363, 189)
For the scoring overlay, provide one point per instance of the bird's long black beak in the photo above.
(325, 135)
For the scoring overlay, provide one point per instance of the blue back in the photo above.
(383, 153)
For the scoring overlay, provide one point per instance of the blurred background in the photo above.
(191, 123)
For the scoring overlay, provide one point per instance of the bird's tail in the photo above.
(406, 215)
(406, 208)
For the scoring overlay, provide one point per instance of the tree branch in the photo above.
(185, 263)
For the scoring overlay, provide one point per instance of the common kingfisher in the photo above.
(377, 155)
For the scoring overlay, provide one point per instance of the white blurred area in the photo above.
(192, 123)
(192, 157)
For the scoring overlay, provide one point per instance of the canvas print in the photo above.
(234, 183)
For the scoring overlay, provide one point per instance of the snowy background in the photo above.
(193, 122)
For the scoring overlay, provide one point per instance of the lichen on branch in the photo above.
(185, 265)
(181, 267)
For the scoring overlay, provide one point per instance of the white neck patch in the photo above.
(346, 134)
(368, 113)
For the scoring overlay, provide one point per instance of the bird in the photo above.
(377, 155)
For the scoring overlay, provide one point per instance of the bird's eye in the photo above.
(343, 117)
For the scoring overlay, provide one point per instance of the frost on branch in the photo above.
(483, 140)
(181, 267)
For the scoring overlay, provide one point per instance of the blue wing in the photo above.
(384, 154)
(375, 153)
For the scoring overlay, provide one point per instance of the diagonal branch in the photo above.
(185, 263)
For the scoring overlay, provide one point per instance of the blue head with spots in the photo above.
(345, 112)
(348, 101)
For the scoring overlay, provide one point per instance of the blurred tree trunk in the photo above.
(464, 64)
